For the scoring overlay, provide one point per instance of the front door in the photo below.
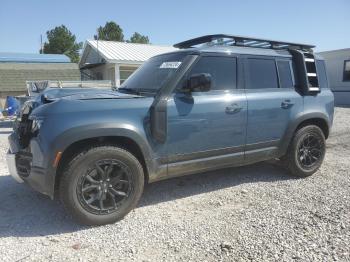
(206, 130)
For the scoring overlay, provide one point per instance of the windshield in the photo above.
(153, 73)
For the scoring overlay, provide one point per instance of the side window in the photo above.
(346, 74)
(221, 69)
(262, 73)
(285, 74)
(321, 73)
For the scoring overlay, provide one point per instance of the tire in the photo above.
(81, 190)
(299, 156)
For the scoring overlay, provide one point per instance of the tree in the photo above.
(61, 41)
(138, 38)
(110, 32)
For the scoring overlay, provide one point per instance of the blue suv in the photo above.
(219, 101)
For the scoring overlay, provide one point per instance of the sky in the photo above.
(324, 23)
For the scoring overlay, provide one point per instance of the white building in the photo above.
(115, 61)
(338, 69)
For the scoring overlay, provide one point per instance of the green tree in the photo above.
(138, 38)
(61, 41)
(110, 32)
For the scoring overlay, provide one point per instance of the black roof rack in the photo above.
(232, 40)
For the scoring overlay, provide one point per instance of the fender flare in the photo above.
(294, 125)
(62, 142)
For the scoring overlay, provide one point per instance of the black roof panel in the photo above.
(232, 40)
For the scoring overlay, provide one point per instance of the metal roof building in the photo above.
(17, 68)
(115, 61)
(338, 70)
(32, 58)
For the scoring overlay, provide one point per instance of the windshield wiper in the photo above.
(146, 91)
(137, 91)
(129, 90)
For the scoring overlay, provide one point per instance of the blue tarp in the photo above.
(12, 105)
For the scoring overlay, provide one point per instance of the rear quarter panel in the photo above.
(320, 106)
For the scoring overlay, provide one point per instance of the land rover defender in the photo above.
(219, 101)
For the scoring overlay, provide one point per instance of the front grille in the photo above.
(24, 131)
(23, 125)
(23, 163)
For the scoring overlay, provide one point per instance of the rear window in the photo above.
(285, 74)
(262, 73)
(321, 73)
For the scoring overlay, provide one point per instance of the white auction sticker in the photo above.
(173, 65)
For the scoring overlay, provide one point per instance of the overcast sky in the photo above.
(325, 23)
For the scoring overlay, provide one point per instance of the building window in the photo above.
(262, 73)
(99, 76)
(125, 72)
(346, 76)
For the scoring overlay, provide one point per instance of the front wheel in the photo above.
(306, 152)
(101, 185)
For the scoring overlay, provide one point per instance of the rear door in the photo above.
(272, 103)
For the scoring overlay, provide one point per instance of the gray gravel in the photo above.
(255, 213)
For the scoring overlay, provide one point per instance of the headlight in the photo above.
(36, 125)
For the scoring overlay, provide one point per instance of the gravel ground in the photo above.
(255, 213)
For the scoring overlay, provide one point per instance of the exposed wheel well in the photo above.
(79, 146)
(321, 123)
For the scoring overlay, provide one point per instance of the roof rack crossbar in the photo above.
(242, 41)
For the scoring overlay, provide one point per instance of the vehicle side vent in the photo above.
(306, 71)
(158, 119)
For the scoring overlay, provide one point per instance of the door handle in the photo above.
(233, 109)
(286, 104)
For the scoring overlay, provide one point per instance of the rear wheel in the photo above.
(306, 152)
(101, 185)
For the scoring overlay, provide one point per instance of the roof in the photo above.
(13, 76)
(242, 51)
(224, 39)
(120, 52)
(339, 53)
(236, 50)
(33, 58)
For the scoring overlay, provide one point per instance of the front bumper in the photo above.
(11, 164)
(29, 166)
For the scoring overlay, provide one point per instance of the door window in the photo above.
(222, 71)
(261, 73)
(285, 74)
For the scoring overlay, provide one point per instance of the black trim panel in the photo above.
(204, 161)
(262, 145)
(205, 154)
(205, 164)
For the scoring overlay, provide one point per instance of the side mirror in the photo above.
(199, 83)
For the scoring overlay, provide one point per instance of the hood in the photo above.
(54, 94)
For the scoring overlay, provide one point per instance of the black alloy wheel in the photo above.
(310, 151)
(101, 184)
(104, 187)
(305, 152)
